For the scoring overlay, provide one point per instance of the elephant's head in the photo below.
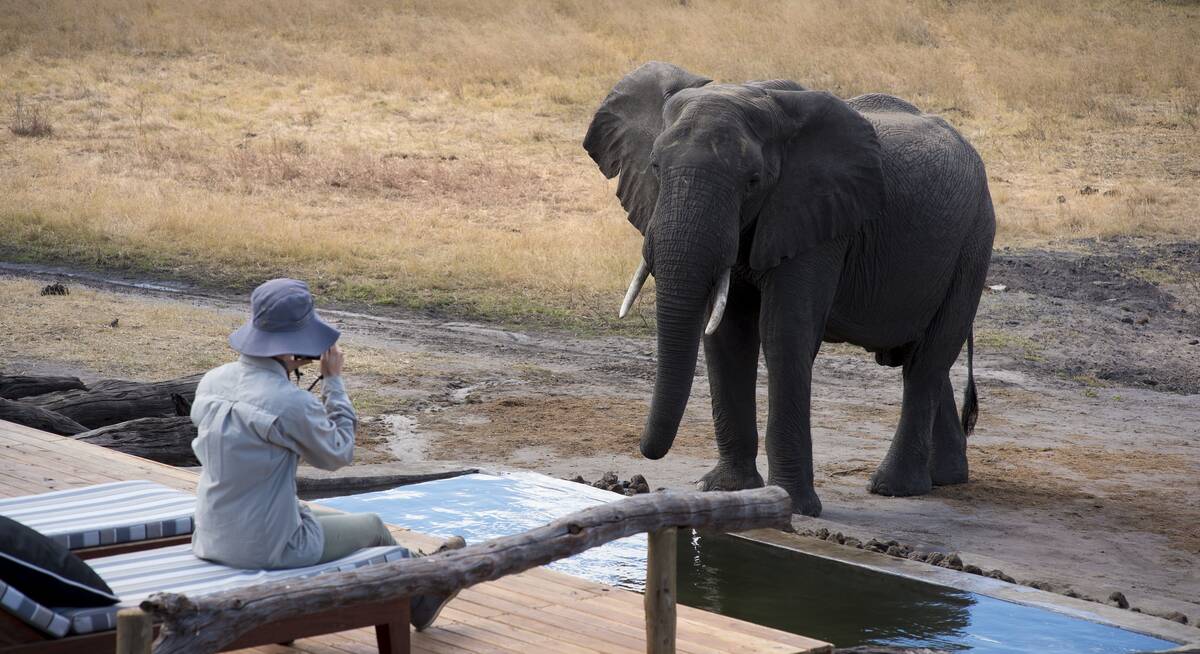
(718, 174)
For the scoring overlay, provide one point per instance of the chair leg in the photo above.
(394, 637)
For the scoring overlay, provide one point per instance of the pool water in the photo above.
(808, 595)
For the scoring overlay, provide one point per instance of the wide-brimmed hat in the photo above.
(283, 321)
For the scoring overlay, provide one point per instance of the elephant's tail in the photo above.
(970, 407)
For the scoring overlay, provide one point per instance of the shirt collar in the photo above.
(266, 363)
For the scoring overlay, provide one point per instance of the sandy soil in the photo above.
(1085, 463)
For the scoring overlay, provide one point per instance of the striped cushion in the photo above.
(135, 576)
(32, 613)
(105, 514)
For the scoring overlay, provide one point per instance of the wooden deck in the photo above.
(536, 611)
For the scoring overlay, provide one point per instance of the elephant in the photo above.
(776, 218)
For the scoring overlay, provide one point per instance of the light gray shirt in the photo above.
(254, 427)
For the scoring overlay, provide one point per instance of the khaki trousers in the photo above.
(346, 533)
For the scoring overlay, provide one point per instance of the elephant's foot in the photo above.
(806, 503)
(948, 470)
(725, 477)
(804, 498)
(897, 480)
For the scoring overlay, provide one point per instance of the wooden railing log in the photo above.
(208, 622)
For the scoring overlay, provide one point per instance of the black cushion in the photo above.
(46, 572)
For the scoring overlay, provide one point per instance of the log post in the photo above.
(135, 632)
(660, 591)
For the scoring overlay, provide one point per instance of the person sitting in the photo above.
(254, 426)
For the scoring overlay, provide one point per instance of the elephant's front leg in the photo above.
(732, 356)
(796, 303)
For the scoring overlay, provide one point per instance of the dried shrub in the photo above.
(29, 120)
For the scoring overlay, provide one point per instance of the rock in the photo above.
(934, 558)
(1142, 320)
(916, 556)
(892, 550)
(1118, 599)
(1176, 616)
(1062, 199)
(852, 542)
(954, 562)
(1070, 592)
(973, 569)
(1127, 320)
(55, 289)
(579, 479)
(1089, 190)
(999, 574)
(1194, 341)
(840, 538)
(1042, 585)
(822, 533)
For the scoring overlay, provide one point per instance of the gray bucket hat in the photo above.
(283, 321)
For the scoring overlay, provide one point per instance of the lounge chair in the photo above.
(27, 627)
(108, 519)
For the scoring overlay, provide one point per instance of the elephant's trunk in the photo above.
(695, 243)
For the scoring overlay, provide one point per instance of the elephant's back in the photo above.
(937, 199)
(882, 102)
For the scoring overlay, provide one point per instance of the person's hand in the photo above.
(331, 362)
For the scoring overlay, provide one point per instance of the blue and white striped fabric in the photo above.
(32, 613)
(134, 577)
(105, 514)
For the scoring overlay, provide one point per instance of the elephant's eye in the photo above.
(752, 183)
(654, 167)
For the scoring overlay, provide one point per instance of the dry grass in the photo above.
(153, 339)
(427, 153)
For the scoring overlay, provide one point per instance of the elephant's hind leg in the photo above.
(905, 469)
(732, 357)
(948, 458)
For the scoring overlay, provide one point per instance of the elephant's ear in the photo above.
(624, 128)
(830, 177)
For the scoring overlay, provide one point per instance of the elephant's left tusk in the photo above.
(720, 297)
(635, 287)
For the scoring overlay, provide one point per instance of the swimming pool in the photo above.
(845, 604)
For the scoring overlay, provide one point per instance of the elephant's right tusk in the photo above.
(635, 287)
(720, 297)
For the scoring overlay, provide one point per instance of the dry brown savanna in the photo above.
(426, 153)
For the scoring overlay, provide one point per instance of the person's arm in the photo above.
(323, 435)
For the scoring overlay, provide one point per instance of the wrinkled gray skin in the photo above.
(861, 221)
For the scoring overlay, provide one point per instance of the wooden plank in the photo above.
(694, 615)
(686, 641)
(735, 633)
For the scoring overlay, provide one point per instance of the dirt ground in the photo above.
(1085, 462)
